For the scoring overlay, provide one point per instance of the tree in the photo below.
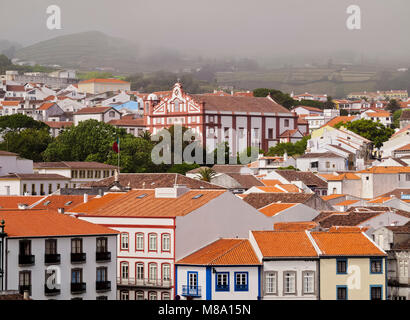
(393, 106)
(206, 174)
(19, 122)
(135, 156)
(373, 131)
(29, 143)
(297, 148)
(396, 118)
(90, 139)
(329, 104)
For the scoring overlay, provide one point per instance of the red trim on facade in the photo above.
(136, 226)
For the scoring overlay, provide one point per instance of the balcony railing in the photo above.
(191, 291)
(103, 256)
(52, 258)
(78, 287)
(149, 283)
(51, 291)
(26, 260)
(78, 257)
(103, 285)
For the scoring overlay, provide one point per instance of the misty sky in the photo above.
(228, 27)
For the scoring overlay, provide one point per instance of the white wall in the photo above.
(64, 249)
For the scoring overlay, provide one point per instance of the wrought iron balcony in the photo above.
(148, 283)
(26, 260)
(103, 256)
(103, 285)
(191, 291)
(78, 287)
(78, 257)
(52, 258)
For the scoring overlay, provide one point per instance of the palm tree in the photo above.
(146, 135)
(206, 174)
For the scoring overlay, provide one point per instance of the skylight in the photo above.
(68, 203)
(198, 196)
(142, 196)
(47, 203)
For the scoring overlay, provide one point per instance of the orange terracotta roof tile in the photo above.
(143, 203)
(346, 203)
(46, 106)
(345, 244)
(336, 120)
(12, 202)
(379, 200)
(381, 170)
(96, 203)
(55, 202)
(275, 208)
(270, 189)
(284, 244)
(270, 183)
(347, 229)
(404, 148)
(332, 196)
(289, 188)
(42, 223)
(223, 252)
(294, 226)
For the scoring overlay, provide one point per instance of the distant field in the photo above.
(299, 80)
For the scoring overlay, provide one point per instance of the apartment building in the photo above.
(53, 256)
(160, 226)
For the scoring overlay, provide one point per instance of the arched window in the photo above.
(124, 270)
(139, 271)
(139, 242)
(124, 241)
(153, 295)
(111, 114)
(152, 242)
(166, 271)
(166, 242)
(139, 295)
(152, 272)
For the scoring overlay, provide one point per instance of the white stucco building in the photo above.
(54, 256)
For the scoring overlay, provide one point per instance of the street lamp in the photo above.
(2, 236)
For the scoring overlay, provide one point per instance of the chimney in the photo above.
(61, 210)
(22, 206)
(85, 198)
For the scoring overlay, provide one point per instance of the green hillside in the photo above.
(85, 51)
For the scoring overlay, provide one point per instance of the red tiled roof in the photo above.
(223, 252)
(345, 244)
(143, 203)
(240, 104)
(42, 223)
(275, 208)
(59, 124)
(12, 202)
(284, 244)
(46, 106)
